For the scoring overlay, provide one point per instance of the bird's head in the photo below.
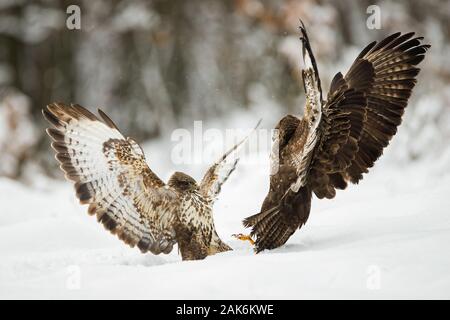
(285, 129)
(182, 182)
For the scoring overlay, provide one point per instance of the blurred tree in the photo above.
(155, 65)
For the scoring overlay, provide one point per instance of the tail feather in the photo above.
(273, 227)
(261, 223)
(269, 229)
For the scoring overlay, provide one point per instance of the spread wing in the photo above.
(302, 146)
(338, 140)
(362, 113)
(221, 170)
(376, 90)
(340, 132)
(111, 175)
(386, 73)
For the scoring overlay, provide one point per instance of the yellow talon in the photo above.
(244, 237)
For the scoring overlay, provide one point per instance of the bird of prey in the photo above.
(111, 175)
(338, 139)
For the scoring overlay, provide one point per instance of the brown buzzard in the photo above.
(128, 198)
(336, 140)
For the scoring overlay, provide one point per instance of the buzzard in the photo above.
(338, 139)
(111, 176)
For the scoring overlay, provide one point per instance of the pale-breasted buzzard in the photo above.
(128, 198)
(336, 140)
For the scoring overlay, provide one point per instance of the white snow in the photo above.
(386, 238)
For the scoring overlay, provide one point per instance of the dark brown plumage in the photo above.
(337, 140)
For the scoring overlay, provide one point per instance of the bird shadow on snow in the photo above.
(118, 257)
(145, 260)
(319, 243)
(307, 244)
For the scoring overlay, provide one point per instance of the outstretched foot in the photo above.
(244, 237)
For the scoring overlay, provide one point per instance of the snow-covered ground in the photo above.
(389, 237)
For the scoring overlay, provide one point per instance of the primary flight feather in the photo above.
(111, 176)
(337, 140)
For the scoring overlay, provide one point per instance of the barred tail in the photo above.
(273, 227)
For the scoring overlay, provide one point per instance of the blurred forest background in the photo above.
(158, 65)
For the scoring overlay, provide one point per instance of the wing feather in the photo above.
(381, 80)
(341, 130)
(313, 115)
(393, 62)
(341, 140)
(111, 175)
